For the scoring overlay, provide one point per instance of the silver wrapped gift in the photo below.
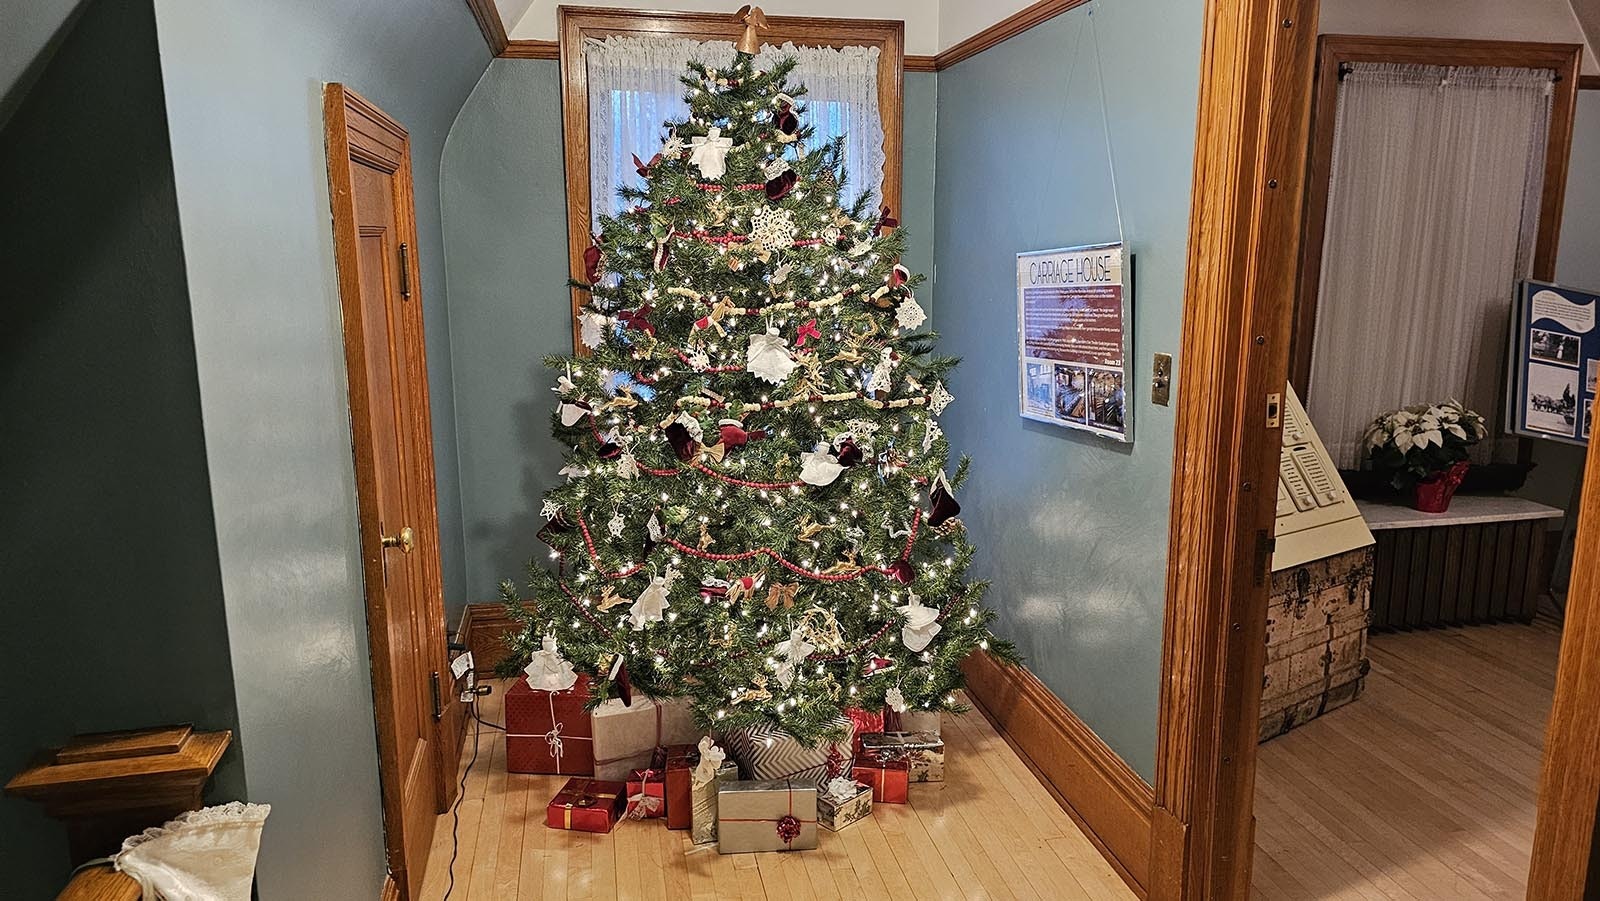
(773, 815)
(922, 751)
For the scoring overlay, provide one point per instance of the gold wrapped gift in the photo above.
(776, 815)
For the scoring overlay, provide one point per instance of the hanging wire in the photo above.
(1105, 123)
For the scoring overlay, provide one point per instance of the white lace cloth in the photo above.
(203, 855)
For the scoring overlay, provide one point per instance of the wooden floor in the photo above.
(990, 831)
(1424, 787)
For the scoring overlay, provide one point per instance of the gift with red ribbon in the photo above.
(774, 815)
(647, 794)
(680, 763)
(549, 731)
(865, 721)
(626, 737)
(890, 779)
(586, 805)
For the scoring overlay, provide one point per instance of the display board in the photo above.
(1074, 337)
(1317, 518)
(1555, 358)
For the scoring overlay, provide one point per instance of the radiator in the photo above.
(1456, 575)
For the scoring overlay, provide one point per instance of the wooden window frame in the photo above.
(1334, 51)
(578, 23)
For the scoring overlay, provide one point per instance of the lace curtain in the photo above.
(1432, 212)
(634, 87)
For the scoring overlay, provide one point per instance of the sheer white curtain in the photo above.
(1432, 211)
(634, 87)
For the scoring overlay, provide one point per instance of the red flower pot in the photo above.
(1433, 494)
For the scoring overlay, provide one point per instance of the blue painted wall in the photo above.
(505, 239)
(244, 83)
(1071, 529)
(108, 566)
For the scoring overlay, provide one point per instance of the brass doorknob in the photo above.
(405, 541)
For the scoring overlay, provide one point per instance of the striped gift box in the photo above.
(767, 752)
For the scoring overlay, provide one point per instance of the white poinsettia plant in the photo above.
(1418, 442)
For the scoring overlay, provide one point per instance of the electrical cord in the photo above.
(461, 792)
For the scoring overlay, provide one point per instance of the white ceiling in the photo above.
(935, 25)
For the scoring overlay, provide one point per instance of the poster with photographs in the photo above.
(1555, 356)
(1074, 336)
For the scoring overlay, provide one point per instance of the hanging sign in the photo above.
(1074, 333)
(1555, 358)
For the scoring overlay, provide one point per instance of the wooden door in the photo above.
(369, 170)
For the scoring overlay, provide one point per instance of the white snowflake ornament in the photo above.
(820, 466)
(769, 358)
(653, 527)
(628, 466)
(616, 525)
(550, 510)
(772, 229)
(672, 147)
(940, 398)
(592, 328)
(709, 153)
(910, 314)
(895, 700)
(648, 608)
(931, 434)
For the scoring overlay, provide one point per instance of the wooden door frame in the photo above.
(1255, 89)
(1334, 52)
(578, 23)
(357, 130)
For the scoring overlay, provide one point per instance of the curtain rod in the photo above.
(1345, 68)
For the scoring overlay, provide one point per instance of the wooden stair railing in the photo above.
(107, 786)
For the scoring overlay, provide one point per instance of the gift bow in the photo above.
(643, 804)
(713, 319)
(885, 221)
(638, 319)
(711, 758)
(808, 330)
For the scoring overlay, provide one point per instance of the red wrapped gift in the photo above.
(647, 794)
(865, 721)
(680, 763)
(586, 805)
(549, 731)
(890, 779)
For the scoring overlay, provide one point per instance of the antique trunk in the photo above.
(1316, 639)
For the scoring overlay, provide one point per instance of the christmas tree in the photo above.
(756, 513)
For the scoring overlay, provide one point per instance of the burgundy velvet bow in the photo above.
(637, 319)
(644, 167)
(886, 221)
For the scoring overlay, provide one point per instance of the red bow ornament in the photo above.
(808, 330)
(644, 167)
(637, 319)
(886, 222)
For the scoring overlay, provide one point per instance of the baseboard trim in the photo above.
(391, 889)
(1101, 793)
(483, 627)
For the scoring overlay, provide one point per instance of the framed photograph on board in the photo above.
(1555, 356)
(1075, 337)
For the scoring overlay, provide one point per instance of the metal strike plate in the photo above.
(1274, 410)
(1161, 380)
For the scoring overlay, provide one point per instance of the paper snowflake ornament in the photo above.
(922, 623)
(881, 373)
(592, 328)
(672, 147)
(772, 229)
(547, 670)
(830, 235)
(550, 510)
(648, 608)
(931, 434)
(910, 314)
(940, 398)
(819, 467)
(652, 528)
(699, 361)
(769, 358)
(628, 466)
(709, 153)
(895, 700)
(616, 525)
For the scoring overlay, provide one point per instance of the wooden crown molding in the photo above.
(488, 18)
(1589, 82)
(1003, 30)
(1101, 793)
(921, 63)
(531, 50)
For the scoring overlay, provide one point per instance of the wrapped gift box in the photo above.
(703, 803)
(626, 737)
(586, 805)
(922, 751)
(766, 815)
(864, 721)
(890, 779)
(679, 764)
(843, 802)
(647, 794)
(766, 752)
(549, 731)
(911, 721)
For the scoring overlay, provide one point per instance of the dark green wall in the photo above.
(108, 563)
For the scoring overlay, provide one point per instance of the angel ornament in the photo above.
(709, 152)
(769, 358)
(881, 373)
(789, 655)
(648, 608)
(922, 623)
(548, 671)
(820, 467)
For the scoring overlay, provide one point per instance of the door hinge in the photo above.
(405, 271)
(1266, 544)
(438, 709)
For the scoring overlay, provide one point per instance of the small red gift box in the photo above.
(647, 794)
(865, 721)
(549, 731)
(586, 805)
(890, 779)
(680, 763)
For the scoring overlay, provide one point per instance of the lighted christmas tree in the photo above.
(756, 513)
